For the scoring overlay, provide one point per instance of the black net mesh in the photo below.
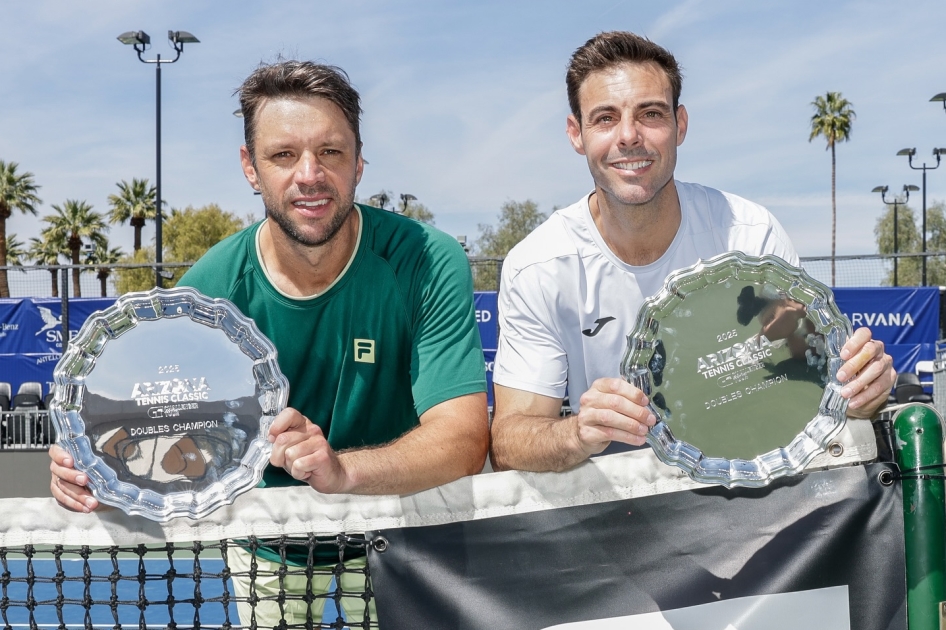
(186, 585)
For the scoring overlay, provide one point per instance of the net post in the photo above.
(920, 445)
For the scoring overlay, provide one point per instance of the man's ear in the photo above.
(573, 129)
(249, 171)
(683, 119)
(359, 169)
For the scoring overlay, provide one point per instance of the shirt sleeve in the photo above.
(447, 355)
(531, 355)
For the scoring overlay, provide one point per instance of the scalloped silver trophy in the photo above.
(165, 400)
(739, 357)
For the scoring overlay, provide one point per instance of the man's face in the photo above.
(307, 167)
(628, 131)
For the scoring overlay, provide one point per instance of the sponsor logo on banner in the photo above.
(825, 609)
(50, 321)
(880, 319)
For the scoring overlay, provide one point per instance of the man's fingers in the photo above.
(613, 410)
(71, 496)
(287, 420)
(859, 350)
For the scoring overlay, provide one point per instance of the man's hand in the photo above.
(867, 374)
(300, 448)
(450, 442)
(612, 410)
(528, 433)
(69, 485)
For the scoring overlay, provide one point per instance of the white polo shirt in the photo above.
(567, 303)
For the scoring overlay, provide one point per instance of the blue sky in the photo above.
(465, 102)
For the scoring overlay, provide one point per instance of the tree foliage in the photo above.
(45, 252)
(910, 240)
(832, 119)
(104, 256)
(516, 220)
(73, 222)
(135, 204)
(187, 235)
(136, 278)
(17, 192)
(16, 251)
(419, 212)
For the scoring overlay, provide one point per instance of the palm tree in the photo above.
(135, 204)
(15, 252)
(104, 256)
(17, 192)
(43, 251)
(73, 221)
(832, 119)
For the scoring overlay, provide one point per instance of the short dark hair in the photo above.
(287, 78)
(606, 50)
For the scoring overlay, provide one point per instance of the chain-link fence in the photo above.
(93, 280)
(110, 280)
(868, 270)
(879, 270)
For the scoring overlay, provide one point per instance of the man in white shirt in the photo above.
(571, 290)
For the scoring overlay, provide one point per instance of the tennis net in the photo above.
(289, 557)
(109, 570)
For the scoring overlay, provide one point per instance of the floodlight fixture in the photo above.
(406, 199)
(940, 98)
(910, 153)
(135, 38)
(380, 200)
(896, 203)
(141, 41)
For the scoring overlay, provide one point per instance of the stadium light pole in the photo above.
(141, 41)
(406, 199)
(895, 203)
(939, 98)
(910, 153)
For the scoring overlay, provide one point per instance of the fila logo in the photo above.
(364, 350)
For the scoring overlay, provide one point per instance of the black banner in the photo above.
(822, 551)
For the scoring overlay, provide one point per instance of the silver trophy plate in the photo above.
(739, 358)
(165, 400)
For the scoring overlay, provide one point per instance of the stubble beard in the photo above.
(293, 231)
(639, 195)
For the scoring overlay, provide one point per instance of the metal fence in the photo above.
(28, 430)
(106, 280)
(878, 270)
(867, 270)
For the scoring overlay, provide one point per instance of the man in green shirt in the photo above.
(371, 313)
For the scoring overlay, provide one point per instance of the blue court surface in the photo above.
(156, 588)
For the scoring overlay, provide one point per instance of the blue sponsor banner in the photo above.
(31, 335)
(906, 319)
(489, 358)
(485, 304)
(895, 315)
(17, 369)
